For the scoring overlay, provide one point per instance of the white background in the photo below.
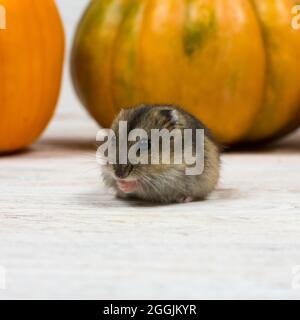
(70, 11)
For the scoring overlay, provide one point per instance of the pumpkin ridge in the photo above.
(124, 60)
(195, 33)
(280, 98)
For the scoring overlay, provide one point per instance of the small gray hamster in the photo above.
(163, 183)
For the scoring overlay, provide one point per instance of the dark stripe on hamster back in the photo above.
(137, 116)
(196, 123)
(141, 112)
(170, 123)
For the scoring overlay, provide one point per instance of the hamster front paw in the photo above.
(184, 199)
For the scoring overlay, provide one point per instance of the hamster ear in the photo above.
(171, 115)
(174, 116)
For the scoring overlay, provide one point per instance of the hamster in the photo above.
(163, 183)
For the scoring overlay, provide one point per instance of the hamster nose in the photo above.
(122, 171)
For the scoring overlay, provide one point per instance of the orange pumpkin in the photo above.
(31, 59)
(232, 63)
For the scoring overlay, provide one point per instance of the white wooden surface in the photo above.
(63, 235)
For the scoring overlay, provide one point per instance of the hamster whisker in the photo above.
(170, 181)
(147, 180)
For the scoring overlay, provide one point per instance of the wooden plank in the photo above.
(64, 235)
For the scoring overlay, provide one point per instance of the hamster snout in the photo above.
(122, 171)
(138, 176)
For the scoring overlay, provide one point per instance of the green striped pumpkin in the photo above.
(232, 63)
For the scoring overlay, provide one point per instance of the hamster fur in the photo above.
(163, 183)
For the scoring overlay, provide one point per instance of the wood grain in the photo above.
(64, 235)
